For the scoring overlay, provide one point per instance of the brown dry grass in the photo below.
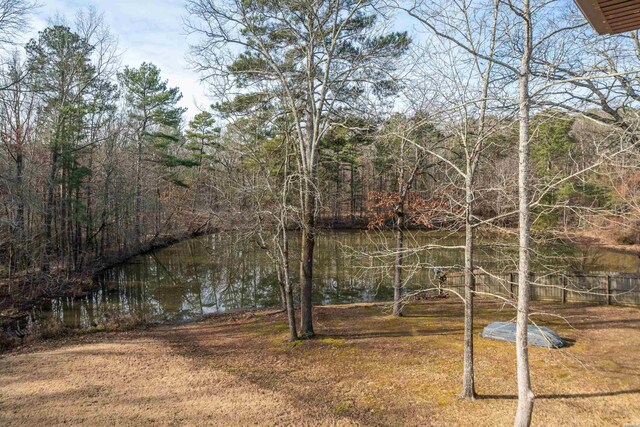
(365, 368)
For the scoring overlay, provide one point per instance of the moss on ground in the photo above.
(364, 368)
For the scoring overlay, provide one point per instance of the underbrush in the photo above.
(18, 332)
(628, 235)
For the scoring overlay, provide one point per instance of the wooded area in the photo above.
(465, 115)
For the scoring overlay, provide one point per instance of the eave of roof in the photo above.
(611, 16)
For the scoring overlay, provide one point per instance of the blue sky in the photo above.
(149, 31)
(153, 31)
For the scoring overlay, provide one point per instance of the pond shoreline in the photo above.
(63, 334)
(80, 290)
(590, 239)
(43, 287)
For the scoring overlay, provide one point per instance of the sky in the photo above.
(147, 30)
(153, 31)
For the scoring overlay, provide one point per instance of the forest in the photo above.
(485, 119)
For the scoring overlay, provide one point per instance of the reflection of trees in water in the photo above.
(218, 273)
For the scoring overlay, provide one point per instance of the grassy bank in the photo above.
(364, 368)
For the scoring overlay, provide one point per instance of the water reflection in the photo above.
(219, 273)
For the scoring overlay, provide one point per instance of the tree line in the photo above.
(96, 161)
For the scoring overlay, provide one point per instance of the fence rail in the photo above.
(602, 287)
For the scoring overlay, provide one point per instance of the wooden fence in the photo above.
(601, 287)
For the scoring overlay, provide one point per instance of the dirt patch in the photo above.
(364, 368)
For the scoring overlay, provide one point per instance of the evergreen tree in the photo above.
(67, 83)
(155, 120)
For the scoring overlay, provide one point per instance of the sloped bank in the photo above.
(19, 297)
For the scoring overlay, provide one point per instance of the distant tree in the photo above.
(66, 80)
(341, 149)
(202, 143)
(552, 151)
(406, 141)
(202, 136)
(154, 124)
(14, 19)
(17, 123)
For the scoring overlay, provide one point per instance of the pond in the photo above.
(220, 272)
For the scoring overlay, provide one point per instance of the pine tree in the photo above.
(154, 120)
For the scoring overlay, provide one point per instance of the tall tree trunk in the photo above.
(291, 312)
(20, 190)
(48, 211)
(158, 217)
(306, 262)
(525, 394)
(352, 198)
(68, 197)
(78, 254)
(104, 228)
(90, 241)
(468, 385)
(397, 283)
(138, 197)
(283, 297)
(18, 258)
(63, 234)
(468, 375)
(288, 288)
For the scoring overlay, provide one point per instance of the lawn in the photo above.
(364, 368)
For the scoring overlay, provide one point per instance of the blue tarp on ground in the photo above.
(539, 336)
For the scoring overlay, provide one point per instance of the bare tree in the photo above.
(323, 55)
(14, 19)
(17, 113)
(525, 395)
(266, 179)
(471, 29)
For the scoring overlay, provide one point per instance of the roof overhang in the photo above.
(611, 16)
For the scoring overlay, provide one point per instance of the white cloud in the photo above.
(150, 31)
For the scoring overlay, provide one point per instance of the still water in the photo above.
(218, 273)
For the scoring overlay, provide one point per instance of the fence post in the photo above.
(565, 282)
(532, 286)
(608, 289)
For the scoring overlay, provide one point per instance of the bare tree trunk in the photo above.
(105, 240)
(89, 235)
(525, 394)
(397, 284)
(283, 297)
(20, 190)
(157, 227)
(48, 211)
(352, 198)
(62, 200)
(138, 197)
(306, 263)
(291, 312)
(468, 385)
(77, 234)
(288, 289)
(18, 260)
